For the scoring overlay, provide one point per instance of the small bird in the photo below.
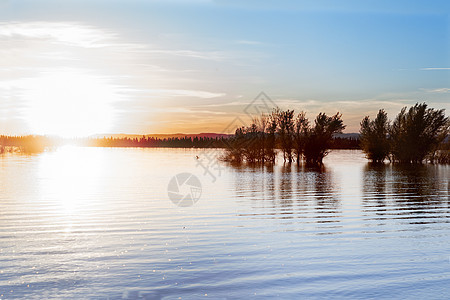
(197, 157)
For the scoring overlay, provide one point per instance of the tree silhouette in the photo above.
(319, 138)
(300, 134)
(417, 132)
(374, 137)
(286, 132)
(271, 138)
(257, 142)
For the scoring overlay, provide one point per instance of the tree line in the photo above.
(26, 144)
(190, 142)
(416, 135)
(148, 142)
(31, 143)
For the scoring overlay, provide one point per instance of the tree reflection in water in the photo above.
(418, 193)
(289, 191)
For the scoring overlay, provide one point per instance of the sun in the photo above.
(70, 103)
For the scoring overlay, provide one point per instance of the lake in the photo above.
(98, 223)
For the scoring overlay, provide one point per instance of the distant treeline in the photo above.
(147, 142)
(28, 143)
(31, 143)
(189, 142)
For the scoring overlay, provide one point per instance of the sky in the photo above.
(77, 68)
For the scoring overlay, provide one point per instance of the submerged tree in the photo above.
(318, 139)
(234, 146)
(374, 137)
(259, 141)
(417, 132)
(254, 143)
(285, 132)
(270, 144)
(300, 134)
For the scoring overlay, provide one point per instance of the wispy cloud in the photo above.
(85, 36)
(73, 34)
(433, 69)
(206, 55)
(183, 93)
(439, 90)
(188, 110)
(248, 42)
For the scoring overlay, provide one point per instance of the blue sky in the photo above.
(192, 66)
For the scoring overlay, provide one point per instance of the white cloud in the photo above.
(248, 42)
(439, 90)
(187, 110)
(85, 36)
(433, 69)
(183, 93)
(206, 55)
(73, 34)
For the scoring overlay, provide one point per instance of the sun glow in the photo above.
(60, 83)
(69, 103)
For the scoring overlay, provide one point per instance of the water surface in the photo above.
(97, 223)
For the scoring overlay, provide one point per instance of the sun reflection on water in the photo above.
(69, 177)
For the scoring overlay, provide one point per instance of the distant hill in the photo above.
(347, 135)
